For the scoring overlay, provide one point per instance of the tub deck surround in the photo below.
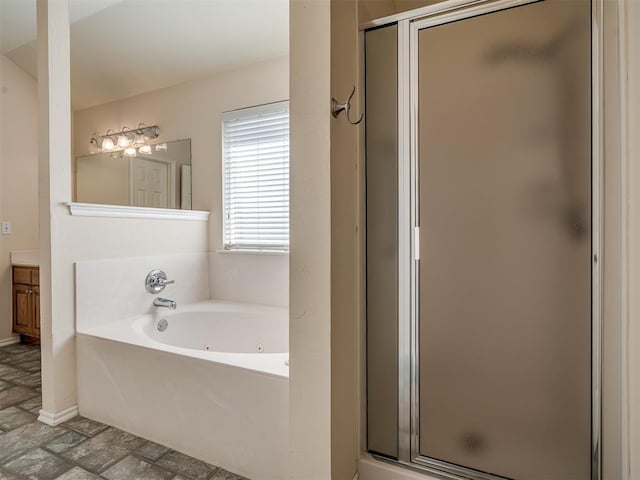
(234, 402)
(113, 289)
(250, 277)
(79, 449)
(235, 329)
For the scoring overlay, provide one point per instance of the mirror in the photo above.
(160, 179)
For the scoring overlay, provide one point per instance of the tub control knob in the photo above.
(156, 281)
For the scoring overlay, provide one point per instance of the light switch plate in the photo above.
(6, 228)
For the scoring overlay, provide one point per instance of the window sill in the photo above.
(254, 252)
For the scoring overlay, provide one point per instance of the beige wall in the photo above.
(345, 379)
(192, 110)
(310, 257)
(18, 174)
(324, 260)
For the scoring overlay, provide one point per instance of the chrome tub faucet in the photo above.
(164, 302)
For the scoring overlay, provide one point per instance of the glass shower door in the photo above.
(504, 208)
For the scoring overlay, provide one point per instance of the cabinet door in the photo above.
(22, 309)
(35, 296)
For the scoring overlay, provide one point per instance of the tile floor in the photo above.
(79, 449)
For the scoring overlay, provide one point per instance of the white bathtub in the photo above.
(214, 384)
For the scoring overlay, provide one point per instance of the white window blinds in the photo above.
(256, 177)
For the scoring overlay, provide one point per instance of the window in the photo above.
(256, 178)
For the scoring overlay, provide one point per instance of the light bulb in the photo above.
(145, 149)
(161, 147)
(107, 144)
(139, 140)
(130, 152)
(123, 141)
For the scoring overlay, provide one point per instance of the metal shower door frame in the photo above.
(409, 24)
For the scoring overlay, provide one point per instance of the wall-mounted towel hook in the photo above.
(338, 108)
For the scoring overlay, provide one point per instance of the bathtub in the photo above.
(209, 379)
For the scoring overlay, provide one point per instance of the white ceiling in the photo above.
(121, 48)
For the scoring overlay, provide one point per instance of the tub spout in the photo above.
(164, 302)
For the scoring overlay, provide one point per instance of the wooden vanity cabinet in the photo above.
(26, 302)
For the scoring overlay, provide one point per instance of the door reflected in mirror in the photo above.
(161, 179)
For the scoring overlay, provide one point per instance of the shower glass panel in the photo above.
(504, 209)
(381, 48)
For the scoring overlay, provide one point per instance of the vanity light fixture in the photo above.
(140, 139)
(113, 141)
(106, 142)
(130, 152)
(123, 139)
(161, 147)
(94, 145)
(107, 145)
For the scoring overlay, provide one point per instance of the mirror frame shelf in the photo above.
(121, 211)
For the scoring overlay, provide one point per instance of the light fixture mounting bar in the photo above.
(148, 132)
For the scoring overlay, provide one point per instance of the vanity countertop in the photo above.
(25, 258)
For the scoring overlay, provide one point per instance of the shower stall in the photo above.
(482, 198)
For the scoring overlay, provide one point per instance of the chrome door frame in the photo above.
(409, 24)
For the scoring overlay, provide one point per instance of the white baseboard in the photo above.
(53, 419)
(10, 341)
